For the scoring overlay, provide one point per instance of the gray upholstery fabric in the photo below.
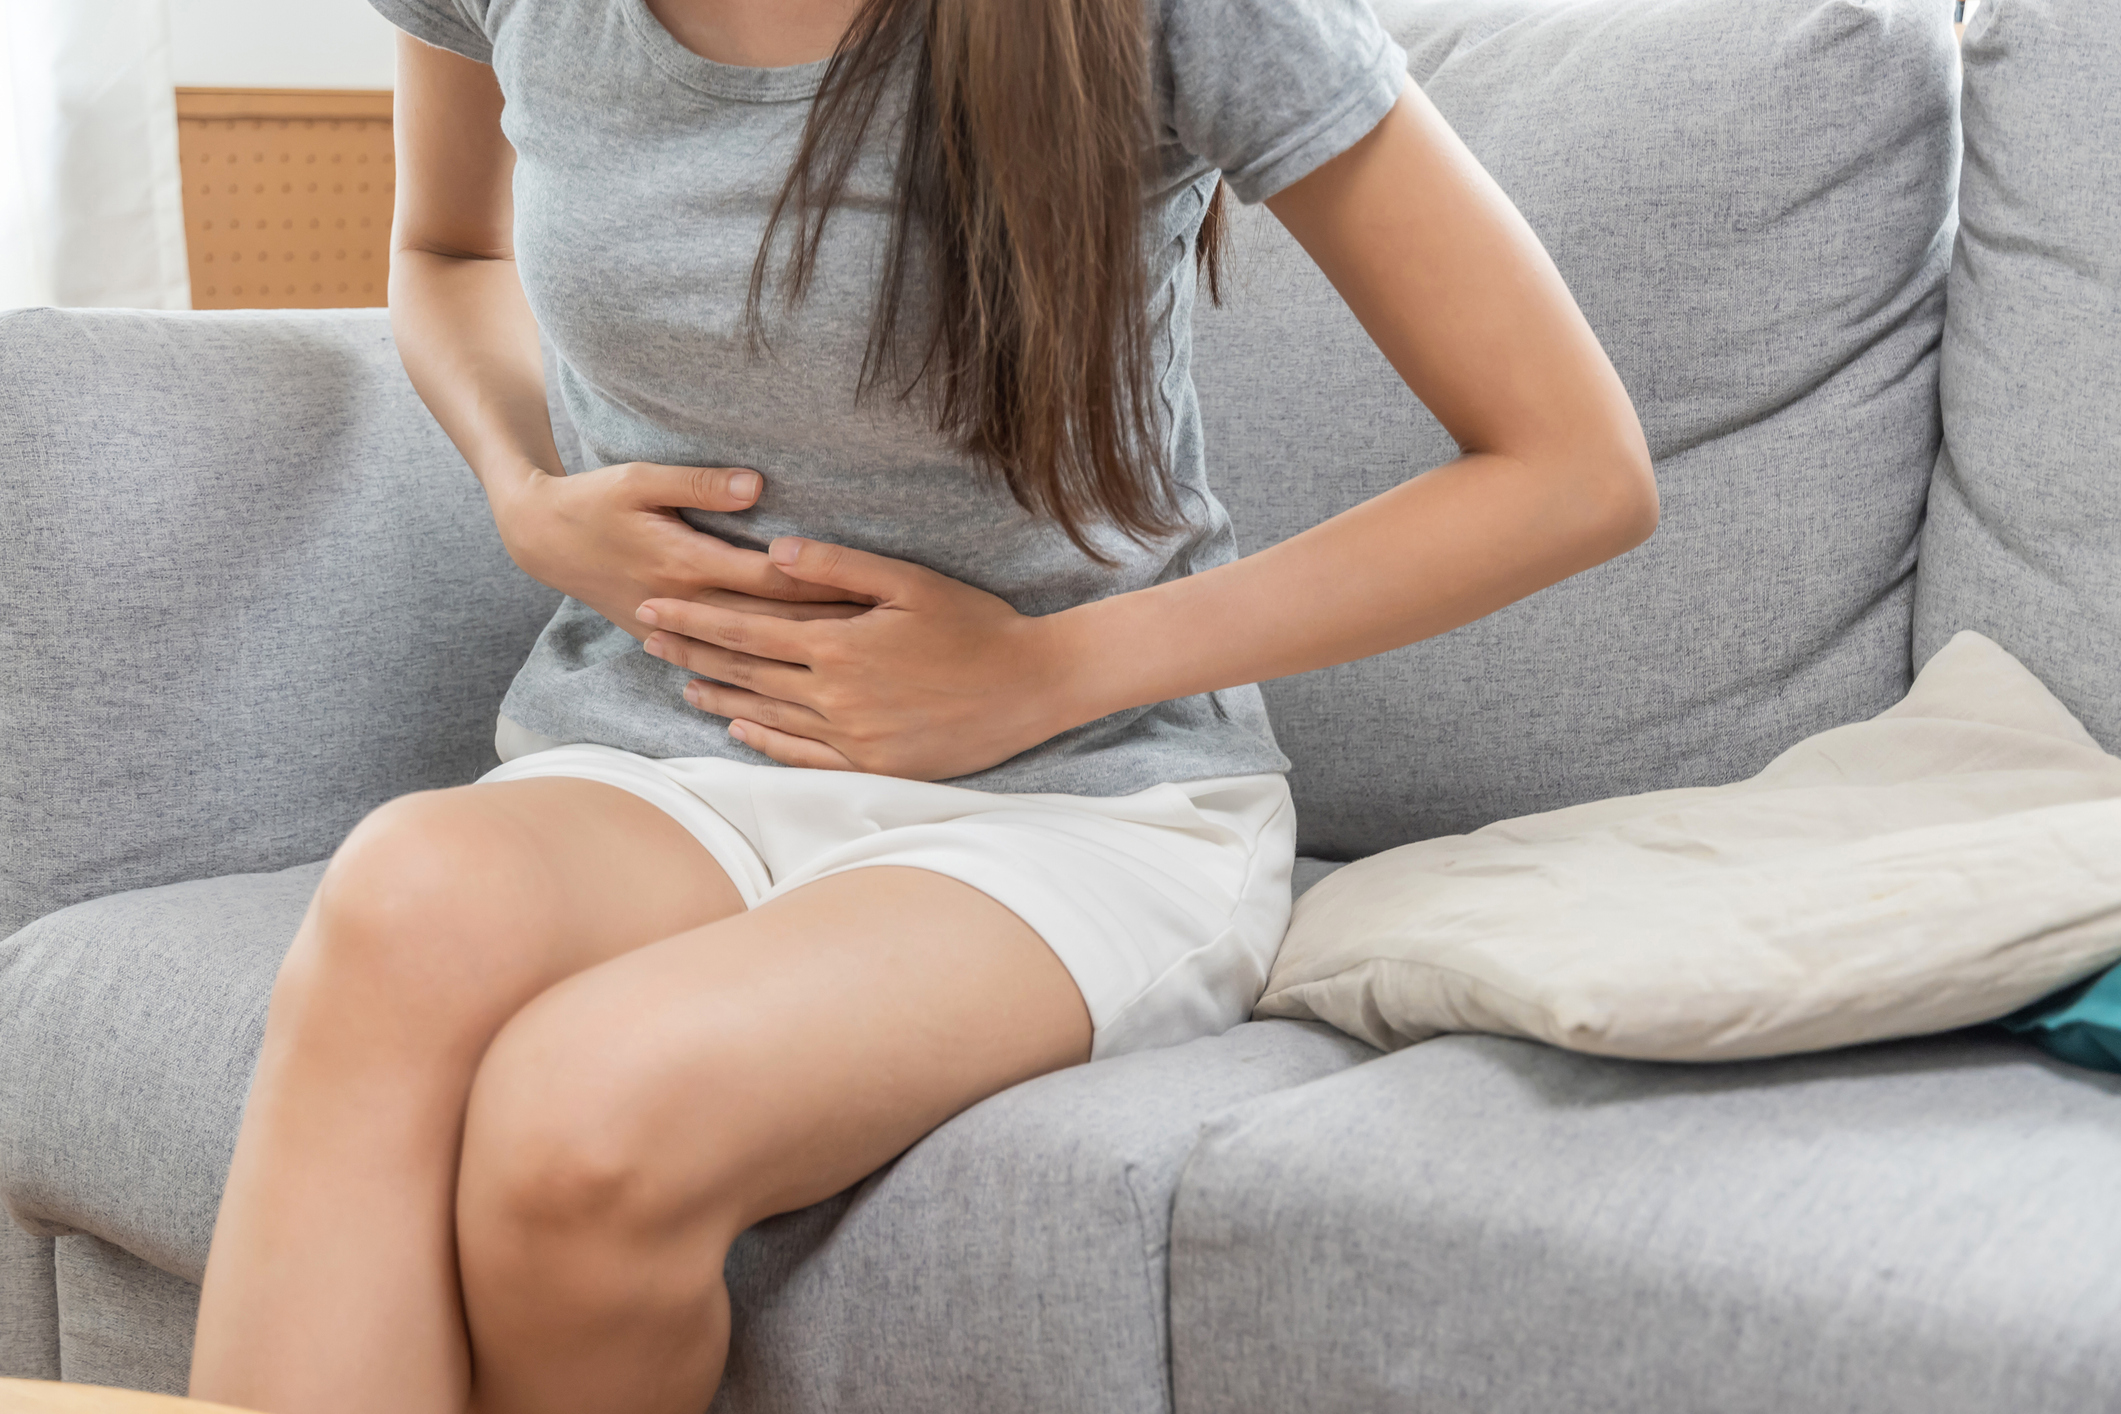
(1309, 872)
(251, 591)
(1011, 1261)
(1486, 1226)
(132, 1025)
(1752, 202)
(2024, 536)
(29, 1309)
(123, 1323)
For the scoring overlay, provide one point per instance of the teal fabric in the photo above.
(2080, 1024)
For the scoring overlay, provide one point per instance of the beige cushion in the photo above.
(1946, 862)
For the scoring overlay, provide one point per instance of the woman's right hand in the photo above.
(612, 538)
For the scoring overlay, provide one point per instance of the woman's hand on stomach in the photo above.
(934, 679)
(613, 537)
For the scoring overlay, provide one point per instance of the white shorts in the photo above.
(1166, 906)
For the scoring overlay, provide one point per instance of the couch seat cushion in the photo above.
(1485, 1226)
(1013, 1260)
(132, 1023)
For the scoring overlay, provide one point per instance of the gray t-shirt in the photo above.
(643, 179)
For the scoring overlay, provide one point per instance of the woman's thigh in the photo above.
(673, 1096)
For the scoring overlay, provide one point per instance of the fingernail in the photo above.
(744, 485)
(646, 615)
(736, 731)
(653, 643)
(785, 551)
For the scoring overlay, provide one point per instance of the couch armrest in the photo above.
(248, 591)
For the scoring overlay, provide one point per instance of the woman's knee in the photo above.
(567, 1154)
(421, 910)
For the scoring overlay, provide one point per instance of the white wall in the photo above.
(279, 44)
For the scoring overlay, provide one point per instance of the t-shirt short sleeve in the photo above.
(1270, 90)
(456, 25)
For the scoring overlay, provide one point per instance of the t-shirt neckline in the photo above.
(737, 82)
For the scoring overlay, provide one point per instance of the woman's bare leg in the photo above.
(332, 1283)
(630, 1122)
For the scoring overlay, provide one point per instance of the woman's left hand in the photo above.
(937, 680)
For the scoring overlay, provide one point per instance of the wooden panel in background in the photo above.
(287, 196)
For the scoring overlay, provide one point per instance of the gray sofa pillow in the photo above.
(1752, 201)
(2024, 536)
(250, 591)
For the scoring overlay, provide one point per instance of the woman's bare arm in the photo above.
(463, 327)
(1554, 475)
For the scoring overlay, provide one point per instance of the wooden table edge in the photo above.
(45, 1397)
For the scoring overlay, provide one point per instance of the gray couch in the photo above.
(247, 591)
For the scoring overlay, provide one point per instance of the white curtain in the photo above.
(91, 201)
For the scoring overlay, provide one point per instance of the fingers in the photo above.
(790, 750)
(800, 611)
(727, 489)
(786, 640)
(788, 718)
(856, 571)
(710, 560)
(779, 680)
(781, 730)
(708, 488)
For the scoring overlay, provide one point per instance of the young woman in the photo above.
(895, 743)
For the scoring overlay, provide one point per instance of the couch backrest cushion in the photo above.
(1752, 201)
(2024, 536)
(247, 591)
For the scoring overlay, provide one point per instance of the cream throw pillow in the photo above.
(1946, 862)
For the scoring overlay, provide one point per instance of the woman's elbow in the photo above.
(1622, 485)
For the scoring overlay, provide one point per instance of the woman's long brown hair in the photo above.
(1027, 134)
